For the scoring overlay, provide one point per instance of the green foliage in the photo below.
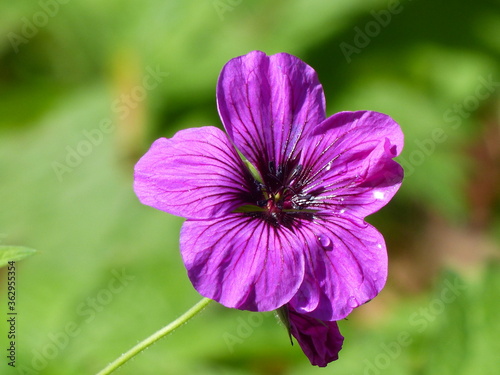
(14, 253)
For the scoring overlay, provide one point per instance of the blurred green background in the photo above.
(86, 86)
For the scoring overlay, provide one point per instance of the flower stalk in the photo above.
(184, 318)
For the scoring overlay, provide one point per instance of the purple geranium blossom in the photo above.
(285, 226)
(320, 341)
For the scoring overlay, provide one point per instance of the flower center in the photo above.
(277, 198)
(279, 202)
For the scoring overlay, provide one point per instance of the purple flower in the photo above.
(286, 225)
(320, 341)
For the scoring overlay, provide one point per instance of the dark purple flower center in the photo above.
(279, 198)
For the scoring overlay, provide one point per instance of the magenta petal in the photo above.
(350, 162)
(242, 262)
(321, 341)
(195, 174)
(268, 104)
(349, 264)
(309, 294)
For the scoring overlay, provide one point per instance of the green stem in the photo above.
(155, 337)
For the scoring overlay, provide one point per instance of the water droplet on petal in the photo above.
(328, 166)
(352, 302)
(378, 195)
(325, 242)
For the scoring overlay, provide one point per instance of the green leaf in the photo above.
(14, 253)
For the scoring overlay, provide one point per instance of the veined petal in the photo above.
(268, 104)
(349, 162)
(242, 262)
(195, 174)
(320, 340)
(348, 258)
